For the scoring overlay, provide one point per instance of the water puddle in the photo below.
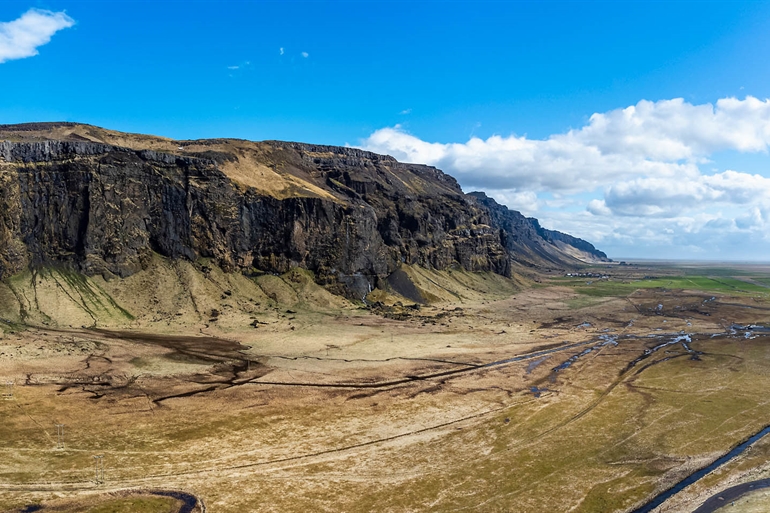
(685, 340)
(530, 356)
(535, 363)
(189, 501)
(750, 331)
(538, 391)
(605, 341)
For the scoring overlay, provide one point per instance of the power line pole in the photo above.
(8, 392)
(60, 436)
(99, 469)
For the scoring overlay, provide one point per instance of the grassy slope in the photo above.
(173, 294)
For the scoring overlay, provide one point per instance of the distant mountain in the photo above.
(102, 202)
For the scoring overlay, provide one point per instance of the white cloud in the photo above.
(21, 38)
(305, 55)
(561, 163)
(598, 208)
(667, 197)
(674, 129)
(526, 202)
(635, 171)
(406, 111)
(665, 138)
(280, 50)
(740, 188)
(660, 197)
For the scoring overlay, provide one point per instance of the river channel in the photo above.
(736, 451)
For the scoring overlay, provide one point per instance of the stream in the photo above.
(189, 501)
(736, 451)
(697, 475)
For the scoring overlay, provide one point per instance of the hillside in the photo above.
(102, 203)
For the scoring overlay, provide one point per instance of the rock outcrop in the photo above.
(101, 202)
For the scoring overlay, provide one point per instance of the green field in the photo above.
(623, 287)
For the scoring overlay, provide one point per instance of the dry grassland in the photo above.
(327, 406)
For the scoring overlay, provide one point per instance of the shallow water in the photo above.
(695, 476)
(189, 501)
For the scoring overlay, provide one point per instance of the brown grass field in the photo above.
(329, 406)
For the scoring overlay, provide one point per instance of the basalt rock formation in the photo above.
(100, 202)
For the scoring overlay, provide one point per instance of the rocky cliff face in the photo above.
(352, 217)
(560, 239)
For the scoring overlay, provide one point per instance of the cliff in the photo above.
(102, 202)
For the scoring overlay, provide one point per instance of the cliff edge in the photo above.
(102, 202)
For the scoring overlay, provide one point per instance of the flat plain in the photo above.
(587, 393)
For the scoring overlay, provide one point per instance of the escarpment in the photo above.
(101, 202)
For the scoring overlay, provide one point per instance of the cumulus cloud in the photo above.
(526, 202)
(561, 163)
(674, 129)
(305, 55)
(636, 170)
(660, 197)
(736, 187)
(724, 215)
(280, 50)
(664, 139)
(21, 38)
(598, 208)
(667, 197)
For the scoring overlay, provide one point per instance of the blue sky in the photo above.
(424, 80)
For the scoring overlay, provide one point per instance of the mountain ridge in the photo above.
(101, 201)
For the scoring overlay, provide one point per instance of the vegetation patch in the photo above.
(599, 287)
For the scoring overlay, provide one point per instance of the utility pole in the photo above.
(60, 436)
(8, 392)
(99, 469)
